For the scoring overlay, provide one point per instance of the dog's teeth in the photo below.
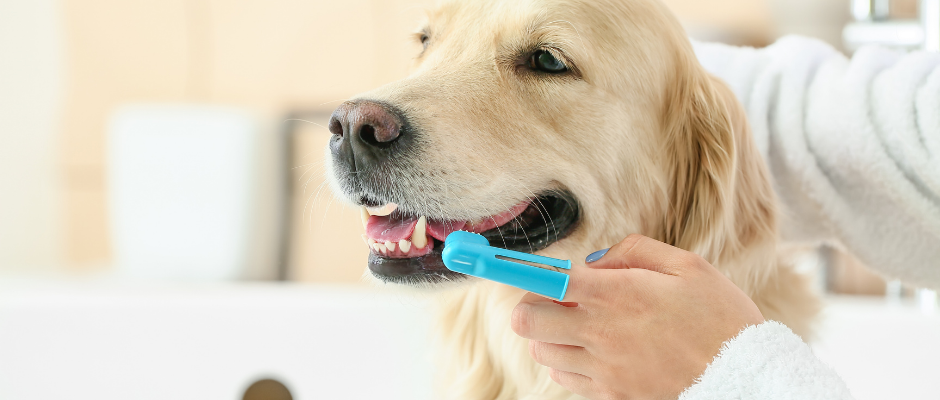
(419, 236)
(365, 238)
(365, 216)
(390, 246)
(382, 211)
(371, 242)
(404, 245)
(382, 249)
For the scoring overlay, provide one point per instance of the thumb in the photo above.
(638, 251)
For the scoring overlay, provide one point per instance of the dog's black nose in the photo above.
(364, 132)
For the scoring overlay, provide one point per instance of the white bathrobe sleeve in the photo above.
(854, 150)
(767, 362)
(853, 145)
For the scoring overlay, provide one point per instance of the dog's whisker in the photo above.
(303, 217)
(326, 211)
(312, 205)
(331, 101)
(322, 175)
(303, 120)
(316, 195)
(540, 206)
(550, 220)
(320, 162)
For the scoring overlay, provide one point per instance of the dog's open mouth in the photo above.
(406, 248)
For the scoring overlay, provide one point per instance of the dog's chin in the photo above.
(548, 219)
(426, 270)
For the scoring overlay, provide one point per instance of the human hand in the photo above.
(642, 322)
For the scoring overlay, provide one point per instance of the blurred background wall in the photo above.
(31, 90)
(264, 56)
(68, 64)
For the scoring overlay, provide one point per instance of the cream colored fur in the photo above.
(646, 140)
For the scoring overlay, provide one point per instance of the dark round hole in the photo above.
(267, 389)
(367, 133)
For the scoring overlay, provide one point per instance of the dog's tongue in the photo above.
(391, 228)
(394, 227)
(440, 229)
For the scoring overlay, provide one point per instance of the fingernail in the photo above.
(597, 255)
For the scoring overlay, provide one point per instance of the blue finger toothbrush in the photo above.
(471, 254)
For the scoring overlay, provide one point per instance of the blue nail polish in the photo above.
(597, 255)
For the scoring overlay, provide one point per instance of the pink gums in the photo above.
(394, 228)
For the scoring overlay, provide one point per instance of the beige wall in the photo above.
(760, 22)
(326, 234)
(31, 71)
(744, 22)
(267, 56)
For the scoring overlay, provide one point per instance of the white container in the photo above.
(164, 341)
(194, 193)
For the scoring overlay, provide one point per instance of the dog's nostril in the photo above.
(367, 134)
(336, 127)
(364, 127)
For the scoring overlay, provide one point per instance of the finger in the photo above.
(593, 287)
(585, 285)
(582, 287)
(576, 383)
(562, 357)
(637, 251)
(538, 318)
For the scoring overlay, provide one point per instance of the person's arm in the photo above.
(767, 361)
(853, 145)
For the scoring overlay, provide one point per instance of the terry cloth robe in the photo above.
(854, 150)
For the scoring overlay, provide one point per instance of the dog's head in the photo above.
(551, 126)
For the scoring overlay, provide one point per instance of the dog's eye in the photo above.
(424, 38)
(544, 61)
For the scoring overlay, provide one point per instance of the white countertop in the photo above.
(118, 340)
(67, 340)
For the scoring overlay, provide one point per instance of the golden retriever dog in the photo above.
(556, 127)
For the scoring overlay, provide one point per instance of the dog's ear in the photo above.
(701, 143)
